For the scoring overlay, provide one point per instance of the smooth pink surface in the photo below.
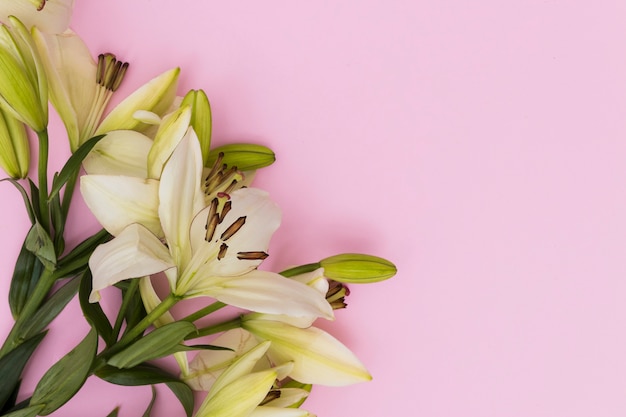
(478, 145)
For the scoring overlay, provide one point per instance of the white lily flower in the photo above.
(318, 357)
(80, 89)
(51, 16)
(209, 252)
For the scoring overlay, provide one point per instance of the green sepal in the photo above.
(25, 277)
(27, 203)
(149, 409)
(93, 312)
(12, 365)
(156, 344)
(50, 309)
(245, 156)
(31, 411)
(146, 374)
(64, 378)
(72, 166)
(38, 242)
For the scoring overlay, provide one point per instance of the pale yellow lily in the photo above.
(51, 16)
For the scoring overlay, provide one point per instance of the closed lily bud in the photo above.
(244, 156)
(14, 150)
(357, 268)
(200, 119)
(23, 84)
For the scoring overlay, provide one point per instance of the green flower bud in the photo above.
(244, 156)
(23, 84)
(200, 119)
(357, 268)
(14, 149)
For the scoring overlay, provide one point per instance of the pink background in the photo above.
(479, 145)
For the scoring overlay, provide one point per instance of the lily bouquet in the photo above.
(172, 209)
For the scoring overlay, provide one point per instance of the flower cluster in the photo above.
(172, 208)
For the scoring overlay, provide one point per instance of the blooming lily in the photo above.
(51, 16)
(210, 251)
(80, 89)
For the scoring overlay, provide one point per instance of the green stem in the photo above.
(45, 283)
(211, 308)
(302, 269)
(216, 328)
(128, 297)
(140, 327)
(43, 179)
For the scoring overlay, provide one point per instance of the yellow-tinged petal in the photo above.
(318, 357)
(118, 201)
(156, 96)
(71, 73)
(200, 119)
(54, 17)
(121, 152)
(172, 129)
(268, 411)
(134, 253)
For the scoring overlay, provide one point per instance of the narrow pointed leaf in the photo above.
(38, 242)
(158, 343)
(51, 308)
(58, 221)
(146, 374)
(114, 413)
(12, 364)
(149, 409)
(10, 402)
(93, 312)
(26, 412)
(27, 203)
(72, 166)
(65, 377)
(25, 276)
(34, 198)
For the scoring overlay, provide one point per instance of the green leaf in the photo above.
(93, 312)
(158, 343)
(78, 258)
(72, 166)
(51, 308)
(146, 374)
(65, 377)
(32, 411)
(10, 402)
(25, 276)
(29, 206)
(149, 409)
(114, 413)
(34, 198)
(245, 156)
(12, 365)
(58, 222)
(38, 242)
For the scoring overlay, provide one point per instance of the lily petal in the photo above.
(156, 96)
(180, 196)
(265, 292)
(171, 131)
(288, 397)
(262, 218)
(121, 152)
(119, 201)
(53, 18)
(266, 411)
(133, 253)
(318, 357)
(71, 73)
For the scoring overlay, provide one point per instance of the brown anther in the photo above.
(227, 206)
(233, 228)
(336, 294)
(222, 252)
(211, 225)
(271, 396)
(252, 256)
